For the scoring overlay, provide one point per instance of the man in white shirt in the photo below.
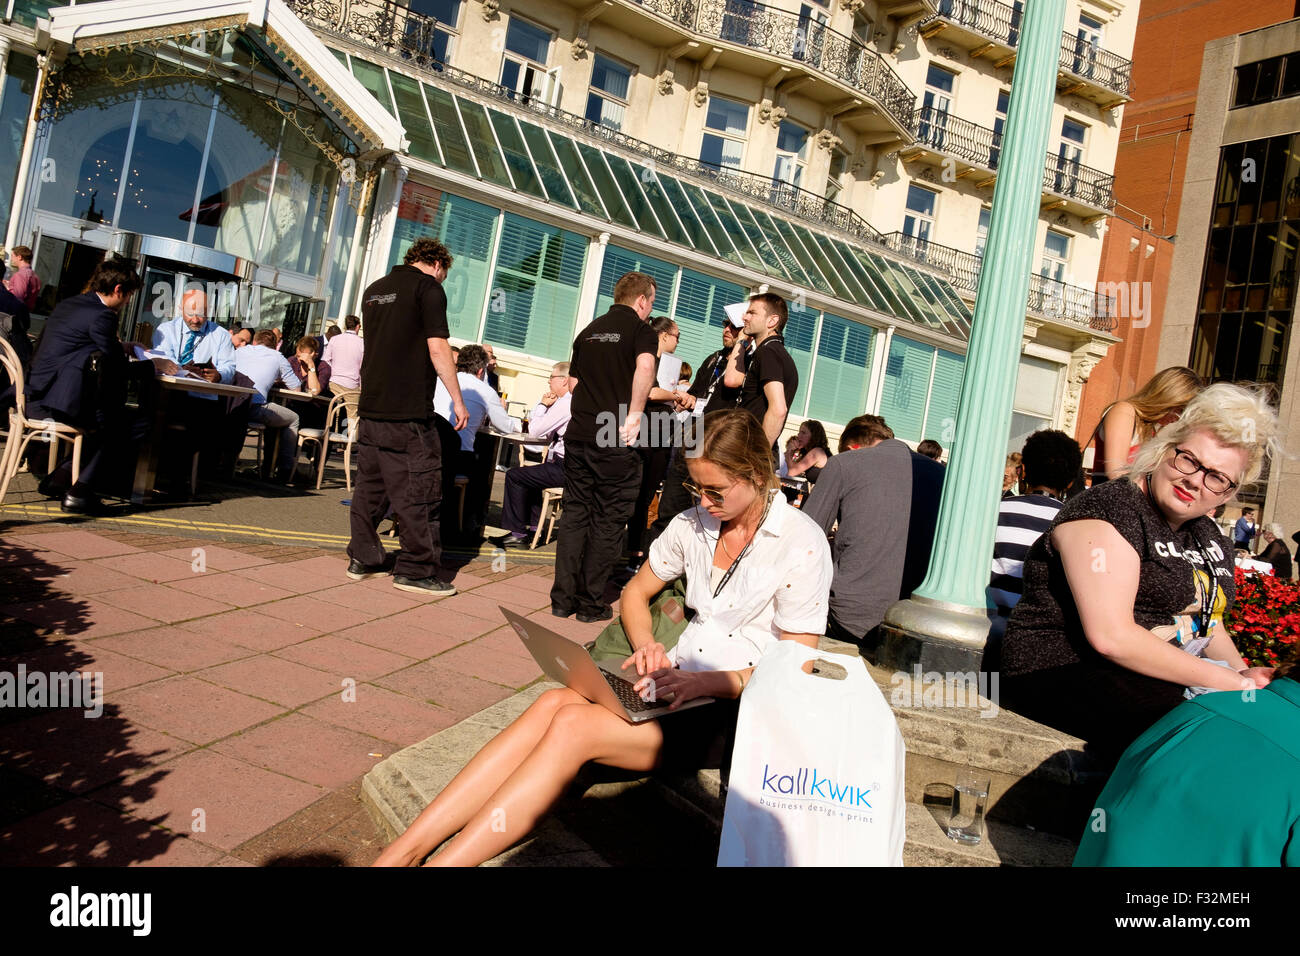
(483, 405)
(264, 366)
(525, 483)
(344, 353)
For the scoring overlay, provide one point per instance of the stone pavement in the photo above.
(248, 685)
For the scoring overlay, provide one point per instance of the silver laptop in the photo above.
(601, 683)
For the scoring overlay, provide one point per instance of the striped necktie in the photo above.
(187, 352)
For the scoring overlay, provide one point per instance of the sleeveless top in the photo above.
(1099, 454)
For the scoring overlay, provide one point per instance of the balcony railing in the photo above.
(1049, 298)
(970, 142)
(1077, 181)
(981, 146)
(395, 29)
(785, 34)
(1001, 23)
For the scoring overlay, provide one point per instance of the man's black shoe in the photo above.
(509, 542)
(423, 585)
(604, 614)
(560, 612)
(48, 488)
(359, 572)
(79, 505)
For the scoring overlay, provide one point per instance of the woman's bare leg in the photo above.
(577, 734)
(479, 779)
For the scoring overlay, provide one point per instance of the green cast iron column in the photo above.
(949, 604)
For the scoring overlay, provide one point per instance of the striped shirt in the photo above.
(1022, 520)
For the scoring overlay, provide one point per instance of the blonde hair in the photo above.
(1169, 390)
(734, 440)
(1237, 416)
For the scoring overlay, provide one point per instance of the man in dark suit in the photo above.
(79, 376)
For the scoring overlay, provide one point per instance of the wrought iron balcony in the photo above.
(382, 24)
(786, 34)
(1001, 23)
(981, 147)
(967, 141)
(1049, 298)
(1077, 181)
(1088, 62)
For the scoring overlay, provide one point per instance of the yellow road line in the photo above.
(487, 551)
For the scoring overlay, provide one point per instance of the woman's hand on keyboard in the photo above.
(648, 659)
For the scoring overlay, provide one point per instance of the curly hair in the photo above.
(1051, 458)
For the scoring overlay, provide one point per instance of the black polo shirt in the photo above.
(401, 312)
(604, 363)
(769, 362)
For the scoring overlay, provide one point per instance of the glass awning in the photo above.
(495, 145)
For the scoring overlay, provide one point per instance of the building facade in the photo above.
(1232, 299)
(284, 154)
(1150, 166)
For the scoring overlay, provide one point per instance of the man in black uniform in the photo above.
(768, 379)
(399, 456)
(610, 374)
(707, 392)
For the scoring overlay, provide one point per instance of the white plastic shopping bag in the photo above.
(817, 772)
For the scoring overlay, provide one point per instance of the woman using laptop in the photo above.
(756, 570)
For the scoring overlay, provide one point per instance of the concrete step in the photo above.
(1040, 778)
(618, 818)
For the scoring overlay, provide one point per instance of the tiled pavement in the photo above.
(247, 688)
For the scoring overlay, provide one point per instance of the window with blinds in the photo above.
(467, 229)
(941, 416)
(839, 384)
(799, 335)
(907, 384)
(618, 263)
(698, 314)
(533, 299)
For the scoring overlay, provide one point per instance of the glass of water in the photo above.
(968, 801)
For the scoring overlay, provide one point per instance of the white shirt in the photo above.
(782, 584)
(481, 404)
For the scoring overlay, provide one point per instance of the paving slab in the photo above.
(174, 648)
(266, 677)
(231, 589)
(307, 749)
(382, 713)
(192, 709)
(164, 603)
(339, 658)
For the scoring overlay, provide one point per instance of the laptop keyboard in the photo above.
(628, 697)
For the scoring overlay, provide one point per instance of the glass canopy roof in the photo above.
(500, 148)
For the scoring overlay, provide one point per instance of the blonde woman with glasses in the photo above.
(1125, 596)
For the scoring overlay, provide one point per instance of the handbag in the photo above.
(669, 616)
(817, 769)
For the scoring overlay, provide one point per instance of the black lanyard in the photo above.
(749, 368)
(743, 551)
(1211, 595)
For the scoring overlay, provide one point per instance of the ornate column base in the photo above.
(934, 635)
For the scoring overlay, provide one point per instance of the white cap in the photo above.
(736, 313)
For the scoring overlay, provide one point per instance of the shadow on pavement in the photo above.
(59, 740)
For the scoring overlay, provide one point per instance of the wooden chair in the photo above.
(333, 436)
(23, 430)
(552, 502)
(317, 435)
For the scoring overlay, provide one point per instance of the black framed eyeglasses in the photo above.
(1216, 482)
(697, 492)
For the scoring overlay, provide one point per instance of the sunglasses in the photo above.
(709, 494)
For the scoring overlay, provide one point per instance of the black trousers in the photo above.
(523, 494)
(674, 500)
(600, 486)
(399, 466)
(654, 465)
